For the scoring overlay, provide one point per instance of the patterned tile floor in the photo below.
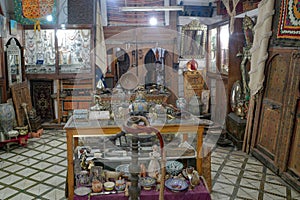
(38, 171)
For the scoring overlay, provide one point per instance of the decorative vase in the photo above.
(96, 186)
(181, 103)
(154, 165)
(7, 117)
(140, 105)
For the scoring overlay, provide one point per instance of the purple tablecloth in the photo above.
(199, 192)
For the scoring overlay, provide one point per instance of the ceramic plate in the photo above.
(82, 191)
(123, 168)
(176, 184)
(206, 122)
(173, 167)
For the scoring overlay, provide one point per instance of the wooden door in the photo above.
(294, 161)
(272, 110)
(292, 172)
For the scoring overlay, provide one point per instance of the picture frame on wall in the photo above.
(3, 28)
(13, 27)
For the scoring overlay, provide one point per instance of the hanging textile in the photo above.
(259, 53)
(230, 12)
(27, 12)
(100, 54)
(35, 9)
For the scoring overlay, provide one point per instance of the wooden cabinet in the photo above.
(275, 139)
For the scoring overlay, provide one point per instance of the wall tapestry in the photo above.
(41, 98)
(288, 22)
(28, 11)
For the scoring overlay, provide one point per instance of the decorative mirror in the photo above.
(13, 56)
(193, 40)
(236, 95)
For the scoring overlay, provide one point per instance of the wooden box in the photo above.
(236, 129)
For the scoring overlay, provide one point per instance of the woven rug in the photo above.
(41, 99)
(289, 24)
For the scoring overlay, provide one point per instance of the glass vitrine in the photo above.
(74, 48)
(39, 51)
(71, 54)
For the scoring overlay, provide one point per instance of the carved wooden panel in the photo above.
(272, 104)
(277, 78)
(20, 94)
(294, 161)
(269, 130)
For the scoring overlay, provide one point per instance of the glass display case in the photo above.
(106, 143)
(39, 52)
(74, 48)
(71, 55)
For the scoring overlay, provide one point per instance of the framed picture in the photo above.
(205, 100)
(13, 27)
(2, 26)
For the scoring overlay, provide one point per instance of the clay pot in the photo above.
(97, 186)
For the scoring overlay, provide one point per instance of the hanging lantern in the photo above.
(37, 9)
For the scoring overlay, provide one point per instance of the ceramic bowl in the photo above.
(174, 167)
(129, 81)
(12, 133)
(176, 184)
(147, 182)
(120, 185)
(109, 185)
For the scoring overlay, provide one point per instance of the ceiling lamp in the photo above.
(151, 8)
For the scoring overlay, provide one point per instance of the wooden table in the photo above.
(92, 128)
